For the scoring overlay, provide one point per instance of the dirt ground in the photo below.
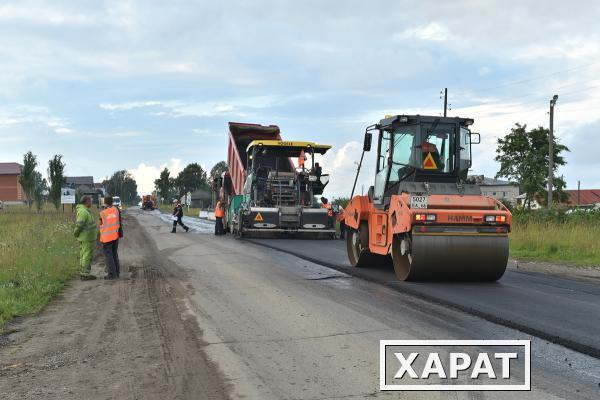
(577, 272)
(125, 339)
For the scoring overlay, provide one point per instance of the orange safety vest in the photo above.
(329, 210)
(109, 225)
(219, 213)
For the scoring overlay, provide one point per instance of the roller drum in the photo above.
(451, 257)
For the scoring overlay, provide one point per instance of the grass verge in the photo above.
(571, 241)
(39, 255)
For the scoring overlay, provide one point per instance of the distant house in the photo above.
(201, 198)
(583, 197)
(496, 188)
(76, 182)
(10, 188)
(535, 203)
(100, 186)
(84, 185)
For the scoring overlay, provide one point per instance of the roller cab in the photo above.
(420, 215)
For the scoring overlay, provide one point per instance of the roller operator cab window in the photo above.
(382, 165)
(436, 148)
(405, 158)
(465, 149)
(428, 147)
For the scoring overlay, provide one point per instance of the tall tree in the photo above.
(218, 169)
(122, 184)
(41, 186)
(523, 158)
(165, 185)
(191, 178)
(27, 177)
(56, 170)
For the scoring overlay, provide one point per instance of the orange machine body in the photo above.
(450, 211)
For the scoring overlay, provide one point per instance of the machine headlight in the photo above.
(425, 217)
(495, 218)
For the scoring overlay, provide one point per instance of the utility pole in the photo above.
(445, 101)
(551, 151)
(578, 191)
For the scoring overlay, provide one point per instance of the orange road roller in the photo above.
(421, 214)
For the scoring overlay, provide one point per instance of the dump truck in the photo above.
(148, 202)
(421, 215)
(266, 193)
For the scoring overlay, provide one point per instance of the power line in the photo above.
(534, 97)
(535, 77)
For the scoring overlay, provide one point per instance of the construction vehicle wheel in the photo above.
(455, 258)
(357, 246)
(401, 256)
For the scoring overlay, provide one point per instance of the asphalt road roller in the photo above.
(422, 215)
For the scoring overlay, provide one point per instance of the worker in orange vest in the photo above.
(301, 159)
(325, 204)
(110, 232)
(219, 214)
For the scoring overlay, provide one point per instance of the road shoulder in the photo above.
(113, 339)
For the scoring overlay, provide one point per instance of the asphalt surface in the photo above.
(560, 310)
(280, 327)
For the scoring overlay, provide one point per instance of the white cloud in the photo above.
(128, 134)
(342, 164)
(571, 48)
(207, 132)
(180, 108)
(145, 174)
(433, 31)
(33, 115)
(34, 12)
(129, 105)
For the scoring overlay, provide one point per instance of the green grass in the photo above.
(39, 255)
(571, 239)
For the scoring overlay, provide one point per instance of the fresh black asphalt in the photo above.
(560, 310)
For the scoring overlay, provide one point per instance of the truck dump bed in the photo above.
(240, 136)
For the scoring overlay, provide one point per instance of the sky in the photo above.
(140, 85)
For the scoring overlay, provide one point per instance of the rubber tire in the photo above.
(359, 255)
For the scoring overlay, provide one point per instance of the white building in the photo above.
(498, 189)
(533, 203)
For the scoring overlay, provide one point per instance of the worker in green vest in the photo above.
(86, 233)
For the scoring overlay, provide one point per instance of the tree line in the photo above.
(35, 186)
(38, 190)
(190, 179)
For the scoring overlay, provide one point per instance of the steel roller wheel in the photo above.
(449, 257)
(402, 257)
